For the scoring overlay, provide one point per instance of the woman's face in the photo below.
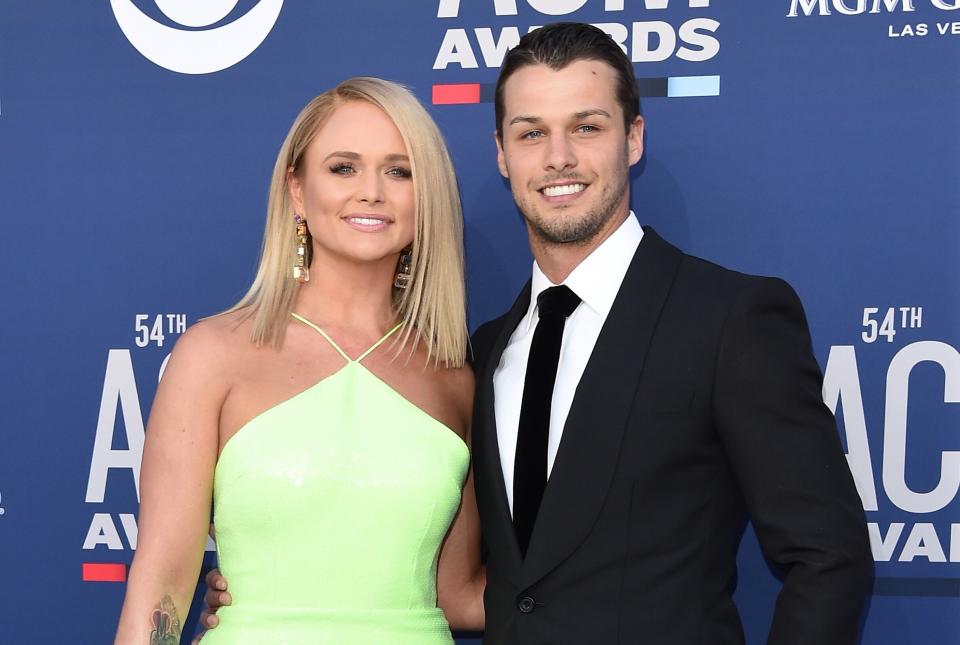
(355, 188)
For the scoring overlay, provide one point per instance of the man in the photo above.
(635, 405)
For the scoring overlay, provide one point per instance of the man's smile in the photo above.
(563, 192)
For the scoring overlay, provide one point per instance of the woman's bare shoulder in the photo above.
(457, 384)
(213, 346)
(461, 379)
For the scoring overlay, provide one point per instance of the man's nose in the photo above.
(560, 154)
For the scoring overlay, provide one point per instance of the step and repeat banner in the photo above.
(817, 140)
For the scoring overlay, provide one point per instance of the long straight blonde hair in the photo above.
(433, 306)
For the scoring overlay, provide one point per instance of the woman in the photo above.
(327, 413)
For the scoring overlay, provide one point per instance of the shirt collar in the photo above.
(596, 280)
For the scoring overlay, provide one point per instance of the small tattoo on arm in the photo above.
(166, 624)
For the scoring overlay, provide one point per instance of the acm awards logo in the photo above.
(118, 448)
(903, 532)
(189, 50)
(666, 29)
(656, 39)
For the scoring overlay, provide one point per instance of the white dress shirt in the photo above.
(596, 280)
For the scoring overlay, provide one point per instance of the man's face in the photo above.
(565, 150)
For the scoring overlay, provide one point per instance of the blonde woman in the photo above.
(327, 413)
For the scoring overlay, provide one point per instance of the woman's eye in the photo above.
(341, 169)
(397, 171)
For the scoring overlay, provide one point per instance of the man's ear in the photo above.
(501, 162)
(635, 140)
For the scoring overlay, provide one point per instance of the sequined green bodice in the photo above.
(330, 510)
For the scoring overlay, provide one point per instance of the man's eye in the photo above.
(588, 128)
(342, 169)
(532, 134)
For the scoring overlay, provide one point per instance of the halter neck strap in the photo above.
(379, 342)
(337, 347)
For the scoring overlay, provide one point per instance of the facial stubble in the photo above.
(576, 231)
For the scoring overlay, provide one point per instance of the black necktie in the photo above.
(530, 466)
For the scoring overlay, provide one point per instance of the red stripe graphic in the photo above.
(101, 572)
(456, 94)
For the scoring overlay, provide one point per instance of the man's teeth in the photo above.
(568, 189)
(366, 221)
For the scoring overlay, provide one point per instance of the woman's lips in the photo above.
(367, 223)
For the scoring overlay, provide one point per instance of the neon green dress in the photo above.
(330, 510)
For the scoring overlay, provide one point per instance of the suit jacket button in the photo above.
(526, 605)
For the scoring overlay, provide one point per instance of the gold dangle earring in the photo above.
(404, 270)
(301, 271)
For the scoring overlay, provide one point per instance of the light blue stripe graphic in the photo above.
(680, 86)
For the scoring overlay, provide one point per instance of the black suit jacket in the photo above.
(700, 405)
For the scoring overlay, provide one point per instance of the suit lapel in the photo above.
(502, 521)
(588, 453)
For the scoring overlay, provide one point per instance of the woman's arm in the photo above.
(460, 575)
(176, 485)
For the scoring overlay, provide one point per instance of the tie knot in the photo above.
(557, 301)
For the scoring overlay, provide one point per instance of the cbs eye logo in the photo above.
(190, 51)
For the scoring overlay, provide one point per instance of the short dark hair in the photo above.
(561, 43)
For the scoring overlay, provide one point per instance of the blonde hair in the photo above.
(432, 308)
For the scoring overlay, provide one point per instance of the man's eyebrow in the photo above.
(583, 114)
(592, 112)
(523, 118)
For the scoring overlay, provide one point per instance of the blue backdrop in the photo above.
(817, 140)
